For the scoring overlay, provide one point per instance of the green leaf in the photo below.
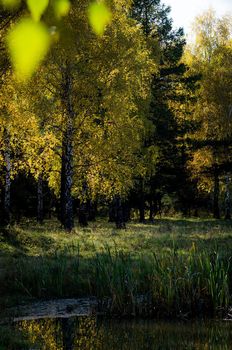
(10, 4)
(37, 8)
(99, 17)
(28, 43)
(61, 8)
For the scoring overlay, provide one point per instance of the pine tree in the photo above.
(164, 158)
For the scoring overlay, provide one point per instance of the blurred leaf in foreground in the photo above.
(61, 8)
(10, 4)
(28, 43)
(37, 8)
(99, 17)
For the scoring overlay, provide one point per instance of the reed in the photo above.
(170, 283)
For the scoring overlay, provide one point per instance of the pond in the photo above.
(87, 333)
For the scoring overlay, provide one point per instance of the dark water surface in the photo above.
(89, 333)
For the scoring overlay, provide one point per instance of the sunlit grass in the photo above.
(32, 239)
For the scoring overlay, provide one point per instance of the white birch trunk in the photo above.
(7, 157)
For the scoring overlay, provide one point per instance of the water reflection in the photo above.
(63, 334)
(88, 333)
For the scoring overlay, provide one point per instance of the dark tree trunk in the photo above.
(127, 211)
(142, 211)
(151, 210)
(216, 210)
(40, 206)
(142, 202)
(83, 210)
(51, 205)
(69, 220)
(82, 218)
(67, 154)
(227, 199)
(7, 197)
(157, 205)
(92, 210)
(195, 214)
(61, 211)
(119, 214)
(112, 213)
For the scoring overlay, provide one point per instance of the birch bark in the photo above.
(7, 197)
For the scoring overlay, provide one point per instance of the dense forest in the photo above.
(115, 177)
(133, 123)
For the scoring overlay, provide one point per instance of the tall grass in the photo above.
(170, 283)
(42, 277)
(115, 276)
(165, 284)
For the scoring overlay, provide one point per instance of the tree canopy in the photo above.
(103, 104)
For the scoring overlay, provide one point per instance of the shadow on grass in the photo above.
(19, 242)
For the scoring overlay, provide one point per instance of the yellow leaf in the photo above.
(10, 4)
(61, 8)
(37, 8)
(28, 43)
(99, 17)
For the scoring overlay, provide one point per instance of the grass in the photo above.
(31, 239)
(173, 268)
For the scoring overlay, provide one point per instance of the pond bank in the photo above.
(81, 307)
(60, 308)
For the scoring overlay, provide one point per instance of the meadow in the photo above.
(174, 268)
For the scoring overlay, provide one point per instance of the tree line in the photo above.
(132, 120)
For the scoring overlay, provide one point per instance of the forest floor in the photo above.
(43, 262)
